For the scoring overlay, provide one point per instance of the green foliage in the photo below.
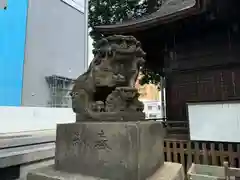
(103, 12)
(150, 76)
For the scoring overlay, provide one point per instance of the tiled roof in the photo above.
(170, 10)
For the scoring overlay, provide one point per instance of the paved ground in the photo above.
(24, 151)
(26, 138)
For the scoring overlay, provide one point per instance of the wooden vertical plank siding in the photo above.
(168, 151)
(189, 155)
(213, 154)
(182, 155)
(205, 154)
(197, 153)
(231, 159)
(222, 154)
(175, 152)
(183, 152)
(238, 155)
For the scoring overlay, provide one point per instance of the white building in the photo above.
(45, 49)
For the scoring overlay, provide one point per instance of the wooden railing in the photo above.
(211, 153)
(177, 129)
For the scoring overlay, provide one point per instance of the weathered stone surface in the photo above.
(123, 116)
(111, 138)
(49, 173)
(168, 171)
(111, 150)
(108, 84)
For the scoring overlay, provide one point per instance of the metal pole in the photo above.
(162, 83)
(86, 35)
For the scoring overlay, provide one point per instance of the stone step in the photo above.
(11, 140)
(26, 154)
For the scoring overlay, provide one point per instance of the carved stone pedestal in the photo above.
(106, 150)
(168, 171)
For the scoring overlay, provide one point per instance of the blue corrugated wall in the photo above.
(12, 46)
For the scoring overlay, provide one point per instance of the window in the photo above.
(59, 89)
(150, 108)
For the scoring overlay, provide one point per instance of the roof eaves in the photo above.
(159, 17)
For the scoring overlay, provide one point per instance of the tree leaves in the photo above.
(104, 12)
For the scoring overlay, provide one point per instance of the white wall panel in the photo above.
(20, 119)
(215, 121)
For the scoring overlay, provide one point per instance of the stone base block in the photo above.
(110, 150)
(168, 171)
(111, 116)
(49, 173)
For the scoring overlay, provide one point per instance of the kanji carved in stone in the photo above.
(106, 91)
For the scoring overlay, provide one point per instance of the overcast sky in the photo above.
(80, 4)
(90, 48)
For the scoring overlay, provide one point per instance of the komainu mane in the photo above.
(106, 91)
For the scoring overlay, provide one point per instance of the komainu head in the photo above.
(117, 60)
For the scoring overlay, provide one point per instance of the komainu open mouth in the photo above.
(102, 93)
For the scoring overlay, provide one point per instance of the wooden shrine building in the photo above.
(196, 44)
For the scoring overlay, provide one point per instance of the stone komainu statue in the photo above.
(106, 91)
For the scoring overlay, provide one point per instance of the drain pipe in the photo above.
(162, 86)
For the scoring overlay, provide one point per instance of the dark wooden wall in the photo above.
(199, 56)
(207, 85)
(204, 65)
